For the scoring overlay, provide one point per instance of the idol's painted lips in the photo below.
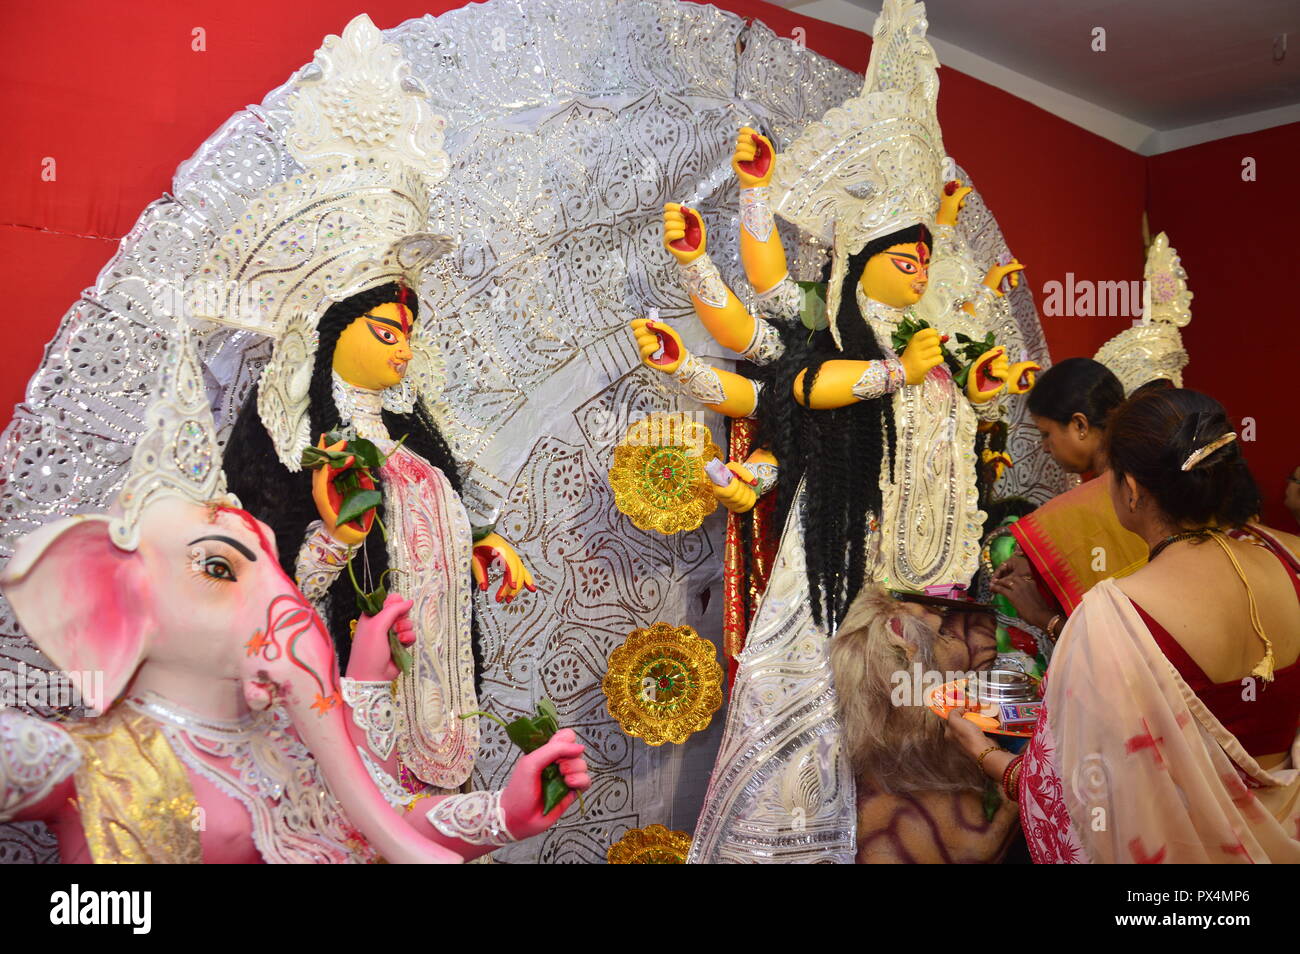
(399, 367)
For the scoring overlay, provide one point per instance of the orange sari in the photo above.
(1075, 541)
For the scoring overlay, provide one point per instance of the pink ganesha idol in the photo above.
(221, 734)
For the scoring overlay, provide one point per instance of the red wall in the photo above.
(115, 94)
(1240, 244)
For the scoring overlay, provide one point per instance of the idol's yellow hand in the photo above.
(1010, 271)
(328, 500)
(922, 353)
(951, 201)
(739, 495)
(987, 376)
(661, 348)
(684, 233)
(1021, 377)
(998, 460)
(489, 550)
(753, 159)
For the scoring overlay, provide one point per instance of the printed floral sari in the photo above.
(1127, 765)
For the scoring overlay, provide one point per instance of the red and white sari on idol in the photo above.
(1127, 765)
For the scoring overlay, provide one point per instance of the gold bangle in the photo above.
(979, 759)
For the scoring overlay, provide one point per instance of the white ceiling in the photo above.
(1174, 73)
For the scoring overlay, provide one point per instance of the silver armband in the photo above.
(700, 381)
(766, 475)
(783, 300)
(320, 560)
(880, 378)
(388, 786)
(374, 712)
(765, 346)
(35, 756)
(702, 279)
(474, 818)
(755, 214)
(991, 409)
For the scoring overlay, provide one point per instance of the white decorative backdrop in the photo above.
(570, 124)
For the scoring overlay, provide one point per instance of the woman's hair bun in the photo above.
(1153, 435)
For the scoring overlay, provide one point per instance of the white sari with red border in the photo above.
(1127, 765)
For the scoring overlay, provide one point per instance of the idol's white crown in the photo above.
(354, 217)
(177, 453)
(1154, 348)
(875, 164)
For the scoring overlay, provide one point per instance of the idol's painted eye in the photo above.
(906, 266)
(218, 567)
(386, 335)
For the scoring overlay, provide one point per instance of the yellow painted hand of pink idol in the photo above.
(738, 496)
(951, 201)
(684, 233)
(661, 348)
(1010, 271)
(987, 376)
(1021, 376)
(494, 548)
(753, 159)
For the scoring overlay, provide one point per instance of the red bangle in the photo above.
(1011, 779)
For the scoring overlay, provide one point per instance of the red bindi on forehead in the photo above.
(923, 252)
(403, 314)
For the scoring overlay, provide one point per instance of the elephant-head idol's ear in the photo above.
(83, 602)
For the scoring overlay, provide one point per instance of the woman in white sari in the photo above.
(1168, 733)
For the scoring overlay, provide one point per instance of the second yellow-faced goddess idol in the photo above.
(338, 448)
(866, 424)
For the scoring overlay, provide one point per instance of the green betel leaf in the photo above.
(548, 717)
(366, 453)
(358, 503)
(812, 305)
(312, 457)
(401, 655)
(553, 788)
(524, 733)
(372, 603)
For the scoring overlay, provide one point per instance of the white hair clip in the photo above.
(1198, 455)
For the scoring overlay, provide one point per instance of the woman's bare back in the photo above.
(1193, 591)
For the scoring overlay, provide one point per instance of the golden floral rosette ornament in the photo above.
(663, 683)
(658, 475)
(652, 845)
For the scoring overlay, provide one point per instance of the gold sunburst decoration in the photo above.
(663, 683)
(658, 474)
(652, 845)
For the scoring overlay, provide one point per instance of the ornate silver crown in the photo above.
(353, 219)
(177, 452)
(875, 164)
(1154, 348)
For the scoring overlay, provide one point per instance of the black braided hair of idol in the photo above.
(269, 491)
(839, 453)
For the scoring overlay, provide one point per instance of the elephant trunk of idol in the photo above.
(294, 664)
